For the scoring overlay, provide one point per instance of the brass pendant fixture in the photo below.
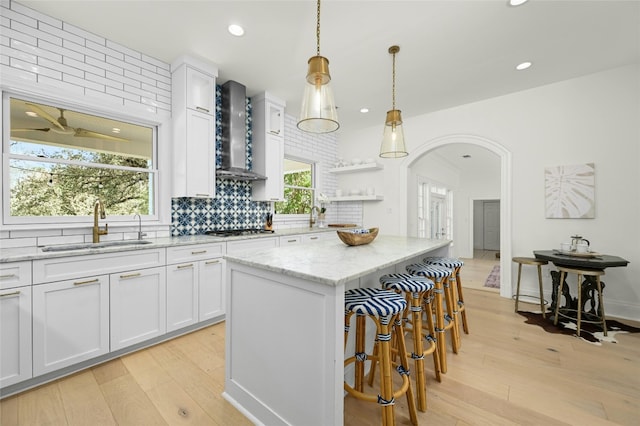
(393, 136)
(318, 114)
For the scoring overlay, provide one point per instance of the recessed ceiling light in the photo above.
(523, 66)
(364, 110)
(115, 130)
(517, 2)
(236, 30)
(31, 114)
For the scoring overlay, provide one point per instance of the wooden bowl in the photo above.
(351, 239)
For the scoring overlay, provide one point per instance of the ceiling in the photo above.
(452, 52)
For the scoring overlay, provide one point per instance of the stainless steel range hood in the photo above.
(234, 129)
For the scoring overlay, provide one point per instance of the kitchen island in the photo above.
(285, 323)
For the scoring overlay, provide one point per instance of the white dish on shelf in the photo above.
(356, 161)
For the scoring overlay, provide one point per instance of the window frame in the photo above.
(291, 217)
(35, 222)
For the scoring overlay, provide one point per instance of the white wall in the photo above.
(588, 119)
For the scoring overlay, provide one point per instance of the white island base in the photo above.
(285, 324)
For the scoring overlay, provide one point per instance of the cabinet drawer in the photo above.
(251, 244)
(291, 239)
(319, 236)
(64, 268)
(15, 274)
(194, 252)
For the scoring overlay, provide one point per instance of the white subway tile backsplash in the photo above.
(8, 71)
(122, 64)
(17, 35)
(47, 241)
(60, 85)
(61, 67)
(82, 65)
(156, 77)
(163, 68)
(121, 78)
(63, 35)
(21, 55)
(25, 233)
(104, 97)
(86, 35)
(139, 77)
(104, 81)
(20, 17)
(6, 243)
(123, 93)
(83, 82)
(50, 51)
(17, 7)
(102, 48)
(120, 48)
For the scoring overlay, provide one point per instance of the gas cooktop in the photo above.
(237, 232)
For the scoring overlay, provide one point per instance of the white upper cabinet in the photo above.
(193, 112)
(201, 91)
(268, 147)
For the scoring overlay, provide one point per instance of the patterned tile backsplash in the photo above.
(231, 208)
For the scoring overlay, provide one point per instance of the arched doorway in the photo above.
(505, 193)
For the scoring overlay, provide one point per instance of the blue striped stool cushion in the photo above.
(406, 283)
(428, 270)
(447, 262)
(373, 301)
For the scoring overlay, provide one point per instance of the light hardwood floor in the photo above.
(506, 373)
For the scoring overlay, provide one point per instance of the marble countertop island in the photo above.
(332, 262)
(284, 362)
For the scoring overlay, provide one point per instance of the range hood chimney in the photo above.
(234, 130)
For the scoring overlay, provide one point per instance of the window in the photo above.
(59, 161)
(299, 187)
(435, 211)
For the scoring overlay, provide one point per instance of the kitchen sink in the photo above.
(84, 246)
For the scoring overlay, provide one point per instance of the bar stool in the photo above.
(456, 283)
(440, 277)
(384, 307)
(416, 289)
(538, 263)
(582, 272)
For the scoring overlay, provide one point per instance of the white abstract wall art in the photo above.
(570, 191)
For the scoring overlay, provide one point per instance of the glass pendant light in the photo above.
(393, 136)
(318, 114)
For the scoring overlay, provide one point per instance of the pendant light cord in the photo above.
(318, 30)
(393, 90)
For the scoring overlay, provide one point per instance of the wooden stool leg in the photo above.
(360, 351)
(462, 308)
(558, 296)
(455, 313)
(441, 340)
(601, 303)
(431, 332)
(542, 308)
(518, 285)
(418, 350)
(386, 390)
(404, 362)
(451, 313)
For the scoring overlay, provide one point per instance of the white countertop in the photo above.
(332, 262)
(35, 252)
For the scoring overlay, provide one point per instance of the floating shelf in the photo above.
(357, 198)
(357, 168)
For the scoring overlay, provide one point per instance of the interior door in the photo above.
(491, 219)
(438, 216)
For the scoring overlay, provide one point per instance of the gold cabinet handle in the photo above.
(313, 238)
(199, 108)
(95, 280)
(136, 274)
(4, 277)
(212, 262)
(13, 294)
(190, 265)
(291, 241)
(199, 252)
(201, 195)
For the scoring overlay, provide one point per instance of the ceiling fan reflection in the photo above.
(60, 126)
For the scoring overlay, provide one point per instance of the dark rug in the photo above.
(493, 280)
(588, 332)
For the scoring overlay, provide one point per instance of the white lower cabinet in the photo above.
(318, 236)
(211, 275)
(138, 306)
(182, 295)
(70, 322)
(15, 335)
(195, 284)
